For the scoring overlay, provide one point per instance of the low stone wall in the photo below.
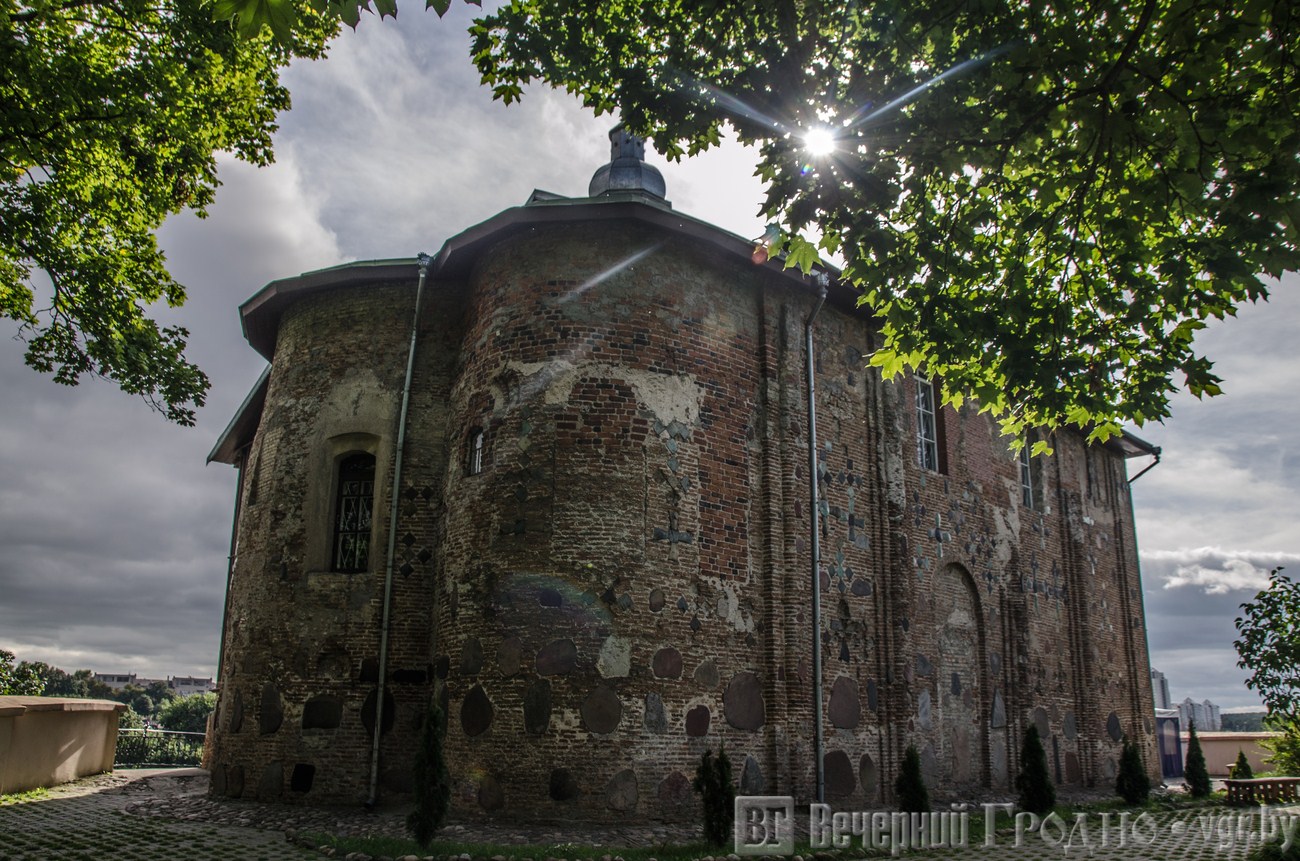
(50, 740)
(1220, 749)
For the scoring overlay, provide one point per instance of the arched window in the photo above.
(1031, 475)
(353, 506)
(929, 429)
(474, 450)
(1027, 495)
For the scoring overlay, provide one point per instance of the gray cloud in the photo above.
(1192, 597)
(1221, 510)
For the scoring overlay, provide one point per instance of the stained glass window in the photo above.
(354, 504)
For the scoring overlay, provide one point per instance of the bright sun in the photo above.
(820, 141)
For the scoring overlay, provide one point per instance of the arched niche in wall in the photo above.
(962, 690)
(332, 464)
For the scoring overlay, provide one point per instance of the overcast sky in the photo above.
(114, 534)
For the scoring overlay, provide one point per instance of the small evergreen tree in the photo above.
(432, 783)
(717, 796)
(1194, 771)
(1132, 784)
(1242, 770)
(909, 787)
(1037, 795)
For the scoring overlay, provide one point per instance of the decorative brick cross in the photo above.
(940, 536)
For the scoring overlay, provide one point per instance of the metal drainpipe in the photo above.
(230, 562)
(814, 533)
(1150, 466)
(424, 261)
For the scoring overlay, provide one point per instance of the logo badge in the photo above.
(764, 825)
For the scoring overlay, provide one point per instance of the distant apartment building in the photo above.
(1160, 687)
(1206, 715)
(186, 685)
(182, 685)
(116, 681)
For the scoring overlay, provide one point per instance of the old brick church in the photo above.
(559, 479)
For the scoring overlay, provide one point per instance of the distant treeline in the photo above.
(1243, 722)
(155, 701)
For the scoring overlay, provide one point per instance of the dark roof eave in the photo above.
(1134, 446)
(260, 314)
(243, 426)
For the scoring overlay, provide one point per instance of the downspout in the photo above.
(1148, 467)
(814, 533)
(230, 562)
(424, 261)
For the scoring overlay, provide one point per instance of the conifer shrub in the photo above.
(1273, 851)
(432, 783)
(1242, 770)
(1132, 783)
(1037, 795)
(717, 796)
(1194, 771)
(909, 787)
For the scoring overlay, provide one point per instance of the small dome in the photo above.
(627, 169)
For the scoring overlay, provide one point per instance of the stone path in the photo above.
(88, 820)
(154, 815)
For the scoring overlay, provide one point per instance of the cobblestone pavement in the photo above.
(89, 819)
(165, 814)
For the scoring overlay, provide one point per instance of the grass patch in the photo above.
(23, 797)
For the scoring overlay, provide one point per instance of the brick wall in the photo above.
(626, 583)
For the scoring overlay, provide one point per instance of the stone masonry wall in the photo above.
(626, 583)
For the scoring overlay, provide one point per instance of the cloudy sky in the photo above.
(114, 534)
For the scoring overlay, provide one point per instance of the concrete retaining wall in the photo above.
(50, 740)
(1220, 749)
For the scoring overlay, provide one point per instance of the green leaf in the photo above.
(801, 254)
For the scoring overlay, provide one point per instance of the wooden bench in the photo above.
(1263, 790)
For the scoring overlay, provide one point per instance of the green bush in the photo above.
(1242, 770)
(909, 787)
(157, 749)
(1037, 795)
(130, 719)
(1286, 747)
(1132, 784)
(187, 714)
(1194, 770)
(432, 783)
(717, 796)
(1273, 851)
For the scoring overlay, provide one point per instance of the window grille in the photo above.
(354, 505)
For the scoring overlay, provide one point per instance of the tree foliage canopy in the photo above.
(187, 714)
(18, 679)
(111, 112)
(1041, 202)
(1269, 647)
